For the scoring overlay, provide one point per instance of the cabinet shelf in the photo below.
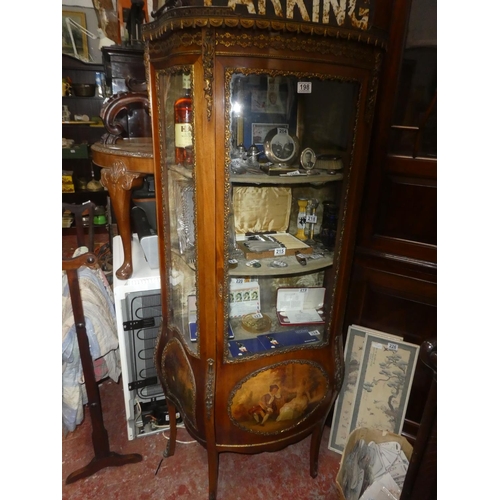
(293, 267)
(259, 179)
(285, 180)
(70, 63)
(79, 124)
(78, 158)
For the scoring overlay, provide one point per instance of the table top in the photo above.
(135, 153)
(136, 146)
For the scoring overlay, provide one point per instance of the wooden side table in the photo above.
(124, 164)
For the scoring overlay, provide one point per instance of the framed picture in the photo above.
(74, 40)
(259, 104)
(280, 146)
(270, 98)
(377, 383)
(308, 159)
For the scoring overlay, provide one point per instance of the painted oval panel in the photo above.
(179, 379)
(278, 397)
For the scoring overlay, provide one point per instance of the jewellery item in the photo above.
(301, 258)
(261, 246)
(241, 348)
(278, 264)
(274, 343)
(253, 263)
(316, 255)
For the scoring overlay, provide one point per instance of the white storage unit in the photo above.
(138, 315)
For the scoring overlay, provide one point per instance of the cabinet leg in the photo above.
(172, 438)
(314, 451)
(173, 429)
(213, 474)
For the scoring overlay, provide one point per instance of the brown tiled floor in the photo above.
(280, 475)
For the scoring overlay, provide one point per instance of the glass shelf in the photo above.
(293, 266)
(263, 178)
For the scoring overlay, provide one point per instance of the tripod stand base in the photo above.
(96, 464)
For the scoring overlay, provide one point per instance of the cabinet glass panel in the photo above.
(178, 194)
(414, 122)
(289, 148)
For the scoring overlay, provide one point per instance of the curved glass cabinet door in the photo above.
(178, 195)
(290, 139)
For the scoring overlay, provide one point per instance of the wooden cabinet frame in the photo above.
(203, 382)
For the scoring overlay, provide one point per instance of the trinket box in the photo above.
(261, 221)
(298, 306)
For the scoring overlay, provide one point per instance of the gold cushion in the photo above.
(261, 209)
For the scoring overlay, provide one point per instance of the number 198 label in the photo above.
(304, 87)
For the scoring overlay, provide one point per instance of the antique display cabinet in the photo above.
(261, 115)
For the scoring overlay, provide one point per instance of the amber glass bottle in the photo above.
(183, 109)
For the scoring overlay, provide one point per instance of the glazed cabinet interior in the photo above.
(260, 141)
(278, 231)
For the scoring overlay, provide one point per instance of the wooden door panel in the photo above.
(409, 210)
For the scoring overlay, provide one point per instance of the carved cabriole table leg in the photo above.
(119, 183)
(124, 165)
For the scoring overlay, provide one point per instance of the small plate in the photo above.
(256, 323)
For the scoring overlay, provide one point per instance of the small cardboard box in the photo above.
(299, 306)
(289, 245)
(244, 297)
(368, 435)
